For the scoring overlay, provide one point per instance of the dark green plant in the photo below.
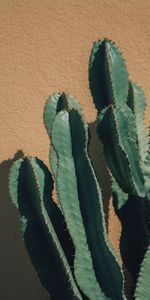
(120, 126)
(81, 202)
(67, 242)
(94, 273)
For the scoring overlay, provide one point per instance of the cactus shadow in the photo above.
(95, 151)
(18, 279)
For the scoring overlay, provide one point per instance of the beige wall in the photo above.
(45, 47)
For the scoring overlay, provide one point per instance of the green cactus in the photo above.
(68, 242)
(69, 139)
(95, 272)
(120, 125)
(137, 102)
(30, 185)
(54, 104)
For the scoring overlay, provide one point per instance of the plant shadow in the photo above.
(12, 248)
(18, 279)
(95, 151)
(134, 238)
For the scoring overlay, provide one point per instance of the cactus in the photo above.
(120, 128)
(120, 125)
(95, 272)
(30, 185)
(69, 138)
(67, 241)
(54, 104)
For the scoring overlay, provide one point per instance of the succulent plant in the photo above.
(31, 184)
(83, 208)
(67, 240)
(120, 126)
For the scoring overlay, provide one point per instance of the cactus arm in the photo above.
(119, 155)
(114, 155)
(142, 291)
(29, 193)
(50, 111)
(131, 151)
(117, 73)
(54, 104)
(72, 285)
(96, 75)
(130, 123)
(137, 102)
(106, 266)
(107, 250)
(67, 190)
(108, 76)
(52, 211)
(120, 150)
(49, 114)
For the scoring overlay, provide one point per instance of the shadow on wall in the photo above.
(99, 164)
(18, 278)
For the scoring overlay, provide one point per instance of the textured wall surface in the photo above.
(45, 47)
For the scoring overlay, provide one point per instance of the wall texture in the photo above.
(45, 47)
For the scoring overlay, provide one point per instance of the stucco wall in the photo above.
(45, 47)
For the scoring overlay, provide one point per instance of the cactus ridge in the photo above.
(54, 104)
(29, 193)
(116, 156)
(137, 102)
(130, 123)
(131, 150)
(108, 76)
(142, 291)
(118, 75)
